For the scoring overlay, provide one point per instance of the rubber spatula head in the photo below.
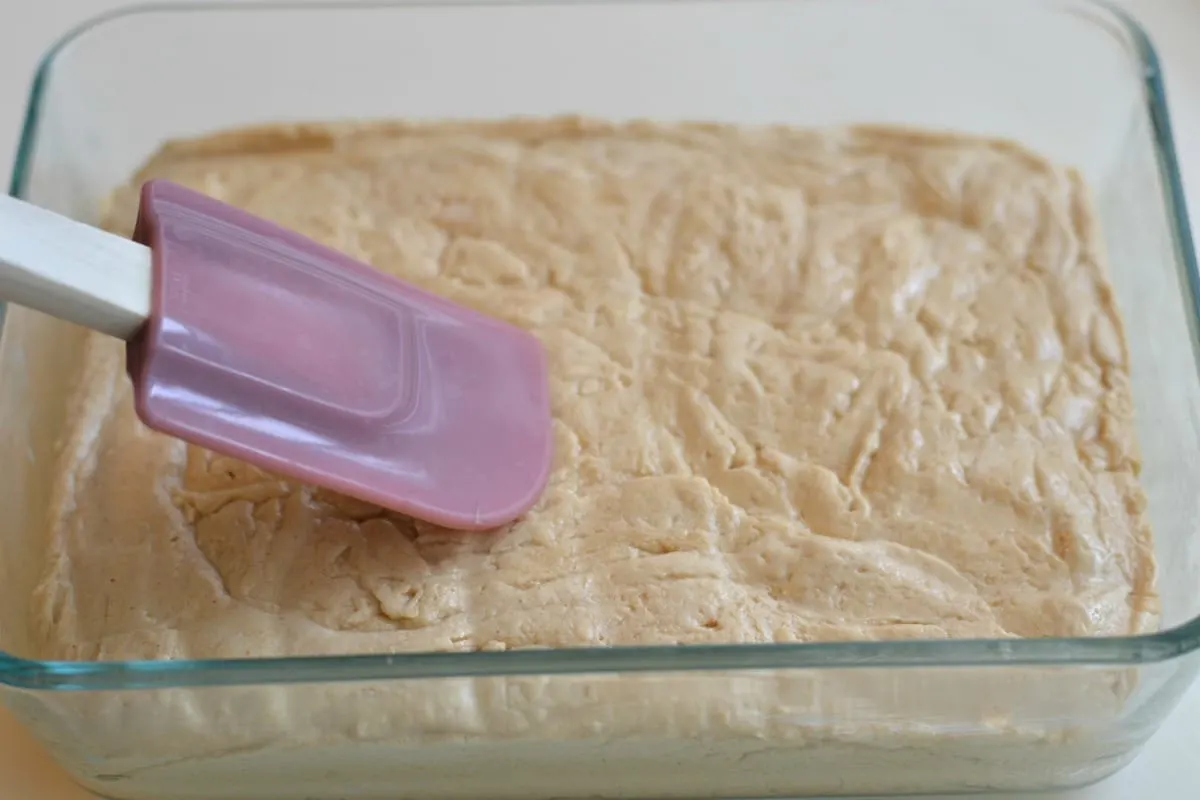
(267, 346)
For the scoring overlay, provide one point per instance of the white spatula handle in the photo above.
(72, 271)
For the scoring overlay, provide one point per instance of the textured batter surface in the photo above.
(807, 385)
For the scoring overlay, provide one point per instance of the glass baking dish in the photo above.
(1076, 80)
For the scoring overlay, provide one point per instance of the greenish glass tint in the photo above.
(782, 719)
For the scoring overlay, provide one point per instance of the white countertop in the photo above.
(1168, 769)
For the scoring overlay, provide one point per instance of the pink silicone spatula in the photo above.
(254, 341)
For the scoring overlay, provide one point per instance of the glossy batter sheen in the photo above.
(808, 385)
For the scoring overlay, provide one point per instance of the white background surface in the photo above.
(1169, 769)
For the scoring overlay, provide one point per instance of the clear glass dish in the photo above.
(1075, 80)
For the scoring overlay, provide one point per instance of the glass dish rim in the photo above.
(1121, 651)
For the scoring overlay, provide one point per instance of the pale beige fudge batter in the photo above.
(857, 383)
(807, 385)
